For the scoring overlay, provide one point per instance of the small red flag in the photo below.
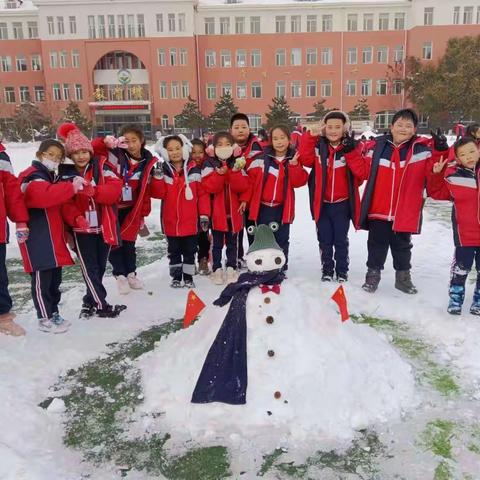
(341, 300)
(193, 308)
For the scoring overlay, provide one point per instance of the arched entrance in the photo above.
(121, 93)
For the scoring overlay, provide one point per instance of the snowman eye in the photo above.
(278, 260)
(251, 229)
(274, 226)
(258, 261)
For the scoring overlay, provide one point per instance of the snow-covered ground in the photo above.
(31, 445)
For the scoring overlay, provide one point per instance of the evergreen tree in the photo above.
(191, 117)
(224, 109)
(320, 110)
(28, 123)
(360, 110)
(279, 113)
(73, 114)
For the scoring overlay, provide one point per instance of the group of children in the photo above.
(97, 200)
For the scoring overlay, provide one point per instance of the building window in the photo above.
(241, 58)
(163, 89)
(130, 26)
(296, 57)
(241, 90)
(181, 23)
(210, 58)
(382, 54)
(161, 56)
(101, 26)
(327, 56)
(183, 56)
(51, 26)
(326, 88)
(367, 55)
(63, 59)
(224, 25)
(141, 24)
(351, 56)
(66, 91)
(173, 57)
(428, 16)
(383, 21)
(53, 60)
(398, 54)
(60, 26)
(296, 89)
(227, 89)
(121, 26)
(295, 23)
(478, 14)
(159, 18)
(256, 58)
(467, 15)
(280, 24)
(91, 27)
(381, 87)
(17, 30)
(36, 61)
(165, 122)
(239, 25)
(209, 26)
(75, 59)
(39, 92)
(399, 21)
(111, 26)
(24, 94)
(368, 22)
(171, 22)
(311, 88)
(21, 63)
(254, 24)
(327, 23)
(256, 89)
(255, 121)
(185, 89)
(311, 56)
(280, 89)
(78, 92)
(351, 88)
(226, 58)
(72, 21)
(427, 51)
(9, 94)
(311, 23)
(366, 88)
(56, 92)
(383, 120)
(6, 63)
(280, 57)
(397, 87)
(456, 15)
(352, 22)
(174, 89)
(3, 31)
(32, 29)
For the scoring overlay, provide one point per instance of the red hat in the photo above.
(75, 140)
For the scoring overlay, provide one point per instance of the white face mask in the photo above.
(50, 164)
(224, 153)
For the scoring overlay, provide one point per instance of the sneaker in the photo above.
(110, 311)
(372, 279)
(134, 282)
(189, 284)
(342, 277)
(232, 275)
(9, 327)
(403, 282)
(46, 325)
(123, 285)
(60, 324)
(241, 264)
(176, 284)
(87, 311)
(203, 268)
(217, 277)
(327, 277)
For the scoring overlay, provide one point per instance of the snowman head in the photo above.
(264, 254)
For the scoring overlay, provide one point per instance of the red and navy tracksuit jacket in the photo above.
(137, 175)
(108, 189)
(179, 216)
(272, 183)
(227, 191)
(251, 149)
(396, 182)
(12, 205)
(335, 176)
(44, 196)
(461, 185)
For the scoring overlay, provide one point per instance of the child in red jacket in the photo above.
(273, 177)
(45, 251)
(13, 207)
(224, 177)
(178, 183)
(92, 216)
(460, 183)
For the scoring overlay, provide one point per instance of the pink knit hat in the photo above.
(75, 140)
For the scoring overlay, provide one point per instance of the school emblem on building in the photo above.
(124, 76)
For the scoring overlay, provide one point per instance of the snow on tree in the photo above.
(191, 117)
(279, 113)
(224, 109)
(73, 114)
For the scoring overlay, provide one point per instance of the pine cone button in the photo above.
(277, 394)
(267, 300)
(269, 319)
(271, 353)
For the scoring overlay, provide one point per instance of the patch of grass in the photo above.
(269, 460)
(443, 471)
(379, 323)
(441, 379)
(437, 437)
(413, 348)
(474, 448)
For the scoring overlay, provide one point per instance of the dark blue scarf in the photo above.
(224, 374)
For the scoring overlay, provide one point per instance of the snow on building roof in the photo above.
(297, 2)
(16, 6)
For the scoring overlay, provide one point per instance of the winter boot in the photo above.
(133, 282)
(123, 285)
(403, 282)
(217, 277)
(475, 308)
(342, 277)
(457, 295)
(189, 284)
(232, 275)
(111, 311)
(203, 267)
(372, 279)
(327, 276)
(176, 284)
(87, 311)
(9, 327)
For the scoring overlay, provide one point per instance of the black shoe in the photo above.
(327, 277)
(342, 277)
(87, 311)
(176, 284)
(110, 311)
(372, 279)
(403, 282)
(189, 284)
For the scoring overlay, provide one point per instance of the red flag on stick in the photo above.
(193, 308)
(341, 300)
